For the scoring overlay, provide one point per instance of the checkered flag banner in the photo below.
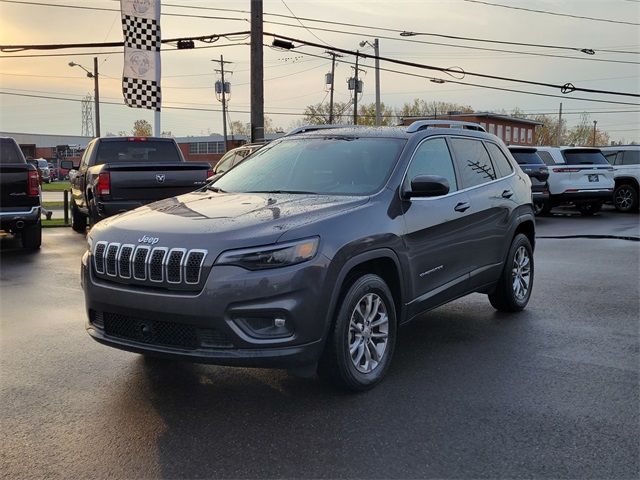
(141, 75)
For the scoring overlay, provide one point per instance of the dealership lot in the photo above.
(551, 392)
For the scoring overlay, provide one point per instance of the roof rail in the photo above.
(311, 128)
(422, 124)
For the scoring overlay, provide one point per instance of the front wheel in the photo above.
(625, 198)
(361, 343)
(78, 220)
(513, 289)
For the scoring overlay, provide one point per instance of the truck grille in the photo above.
(160, 266)
(157, 332)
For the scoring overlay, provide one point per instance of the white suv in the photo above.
(577, 175)
(626, 164)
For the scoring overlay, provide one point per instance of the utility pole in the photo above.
(355, 92)
(595, 122)
(257, 73)
(333, 76)
(559, 132)
(222, 88)
(97, 94)
(376, 48)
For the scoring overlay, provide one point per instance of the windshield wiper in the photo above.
(215, 189)
(301, 192)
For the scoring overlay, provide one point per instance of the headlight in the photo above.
(271, 256)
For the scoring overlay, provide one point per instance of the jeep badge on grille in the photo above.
(149, 240)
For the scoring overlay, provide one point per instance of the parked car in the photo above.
(118, 174)
(578, 176)
(19, 195)
(235, 156)
(43, 169)
(626, 174)
(532, 165)
(315, 249)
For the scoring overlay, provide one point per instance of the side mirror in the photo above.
(67, 164)
(428, 186)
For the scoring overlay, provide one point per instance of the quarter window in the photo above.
(474, 162)
(432, 157)
(500, 162)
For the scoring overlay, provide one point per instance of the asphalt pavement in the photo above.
(552, 392)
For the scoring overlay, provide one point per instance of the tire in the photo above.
(93, 215)
(78, 220)
(588, 209)
(360, 371)
(625, 198)
(546, 209)
(538, 208)
(32, 237)
(508, 295)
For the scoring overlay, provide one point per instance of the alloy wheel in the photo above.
(368, 333)
(521, 273)
(624, 198)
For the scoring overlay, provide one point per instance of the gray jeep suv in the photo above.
(314, 250)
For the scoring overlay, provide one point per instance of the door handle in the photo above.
(461, 207)
(507, 194)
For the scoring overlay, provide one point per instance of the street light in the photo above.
(96, 89)
(376, 49)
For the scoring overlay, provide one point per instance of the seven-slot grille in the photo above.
(158, 265)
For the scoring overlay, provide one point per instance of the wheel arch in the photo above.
(627, 180)
(383, 262)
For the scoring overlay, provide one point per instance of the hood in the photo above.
(223, 220)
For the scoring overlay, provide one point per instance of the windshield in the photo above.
(584, 157)
(42, 163)
(137, 151)
(321, 165)
(527, 157)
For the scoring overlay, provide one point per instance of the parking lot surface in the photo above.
(552, 392)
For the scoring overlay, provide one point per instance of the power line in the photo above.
(566, 88)
(547, 12)
(583, 50)
(302, 24)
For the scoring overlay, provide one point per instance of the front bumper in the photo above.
(222, 323)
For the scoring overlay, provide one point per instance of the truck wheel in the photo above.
(78, 220)
(93, 214)
(588, 209)
(513, 289)
(625, 198)
(360, 345)
(32, 237)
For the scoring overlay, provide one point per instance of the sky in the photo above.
(294, 79)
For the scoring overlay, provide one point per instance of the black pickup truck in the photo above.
(19, 195)
(118, 174)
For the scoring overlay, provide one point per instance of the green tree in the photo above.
(367, 114)
(141, 128)
(318, 114)
(422, 108)
(582, 134)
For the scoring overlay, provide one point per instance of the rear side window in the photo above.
(527, 157)
(500, 162)
(473, 161)
(432, 157)
(137, 151)
(584, 157)
(547, 158)
(631, 157)
(611, 157)
(9, 152)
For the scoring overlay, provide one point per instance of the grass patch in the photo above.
(56, 186)
(49, 205)
(54, 222)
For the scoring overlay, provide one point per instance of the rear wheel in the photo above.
(32, 236)
(588, 209)
(545, 210)
(538, 208)
(513, 290)
(93, 214)
(78, 219)
(625, 198)
(361, 343)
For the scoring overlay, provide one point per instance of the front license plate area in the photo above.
(593, 178)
